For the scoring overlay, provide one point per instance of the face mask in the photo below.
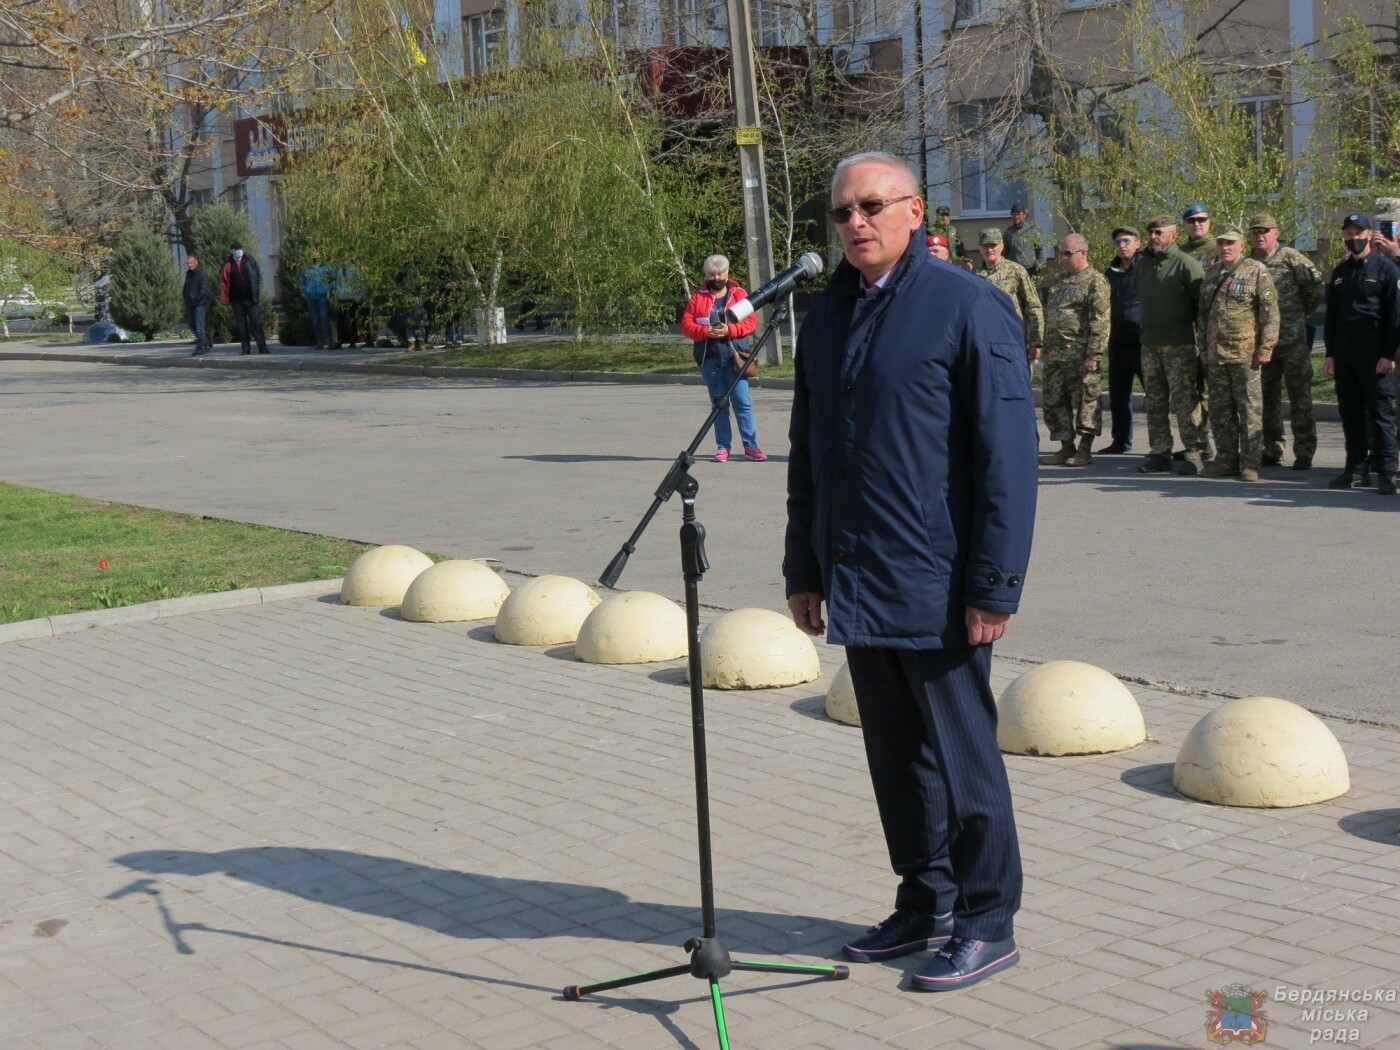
(716, 286)
(1356, 245)
(238, 255)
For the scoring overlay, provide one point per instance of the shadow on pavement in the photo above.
(1155, 779)
(1302, 489)
(1376, 825)
(469, 905)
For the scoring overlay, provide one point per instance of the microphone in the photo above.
(809, 265)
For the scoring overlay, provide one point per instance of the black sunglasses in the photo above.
(869, 209)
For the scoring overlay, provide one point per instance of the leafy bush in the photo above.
(145, 284)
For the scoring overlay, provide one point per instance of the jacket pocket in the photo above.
(1010, 373)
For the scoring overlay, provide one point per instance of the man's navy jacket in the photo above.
(912, 477)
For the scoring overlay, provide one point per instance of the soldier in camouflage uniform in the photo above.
(1169, 287)
(1199, 242)
(1015, 282)
(1299, 288)
(1077, 318)
(1238, 324)
(943, 225)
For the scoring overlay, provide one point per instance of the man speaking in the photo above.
(911, 503)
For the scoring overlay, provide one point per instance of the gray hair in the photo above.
(715, 264)
(875, 157)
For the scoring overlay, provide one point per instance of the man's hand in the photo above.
(806, 607)
(1385, 366)
(1262, 359)
(1033, 353)
(1091, 364)
(1329, 368)
(1385, 245)
(983, 626)
(719, 331)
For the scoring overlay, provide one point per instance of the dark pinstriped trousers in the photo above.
(930, 726)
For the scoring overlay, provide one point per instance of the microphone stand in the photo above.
(683, 462)
(709, 960)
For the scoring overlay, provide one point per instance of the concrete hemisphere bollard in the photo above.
(841, 698)
(455, 590)
(756, 649)
(1264, 752)
(1066, 707)
(635, 627)
(548, 610)
(382, 576)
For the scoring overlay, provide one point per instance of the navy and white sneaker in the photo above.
(963, 962)
(903, 933)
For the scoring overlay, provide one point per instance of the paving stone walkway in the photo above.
(302, 825)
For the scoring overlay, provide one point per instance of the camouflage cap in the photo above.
(1263, 221)
(1131, 231)
(943, 209)
(990, 235)
(1230, 233)
(1161, 222)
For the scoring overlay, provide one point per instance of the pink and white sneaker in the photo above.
(722, 456)
(755, 454)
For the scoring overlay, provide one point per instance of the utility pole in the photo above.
(749, 137)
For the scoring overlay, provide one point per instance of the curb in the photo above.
(68, 623)
(1322, 410)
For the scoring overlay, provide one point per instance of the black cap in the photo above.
(1358, 220)
(1018, 206)
(234, 246)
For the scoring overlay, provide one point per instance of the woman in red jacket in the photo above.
(715, 342)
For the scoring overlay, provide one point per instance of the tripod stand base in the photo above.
(574, 992)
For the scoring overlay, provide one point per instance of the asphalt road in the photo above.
(1277, 588)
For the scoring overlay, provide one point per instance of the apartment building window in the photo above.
(701, 22)
(966, 11)
(779, 23)
(1264, 121)
(486, 42)
(982, 184)
(867, 19)
(1367, 135)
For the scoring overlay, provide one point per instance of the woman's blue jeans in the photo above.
(718, 375)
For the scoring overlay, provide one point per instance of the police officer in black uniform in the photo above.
(1362, 333)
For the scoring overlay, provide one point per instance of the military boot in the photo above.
(1083, 455)
(1061, 457)
(1345, 480)
(1385, 483)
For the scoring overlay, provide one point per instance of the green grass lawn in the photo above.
(656, 356)
(590, 355)
(53, 546)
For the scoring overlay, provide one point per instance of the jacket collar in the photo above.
(847, 279)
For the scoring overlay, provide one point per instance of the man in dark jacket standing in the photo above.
(1125, 337)
(911, 503)
(1362, 336)
(240, 286)
(196, 294)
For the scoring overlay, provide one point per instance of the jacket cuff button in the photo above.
(1013, 580)
(993, 579)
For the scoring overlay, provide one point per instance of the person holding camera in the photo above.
(721, 346)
